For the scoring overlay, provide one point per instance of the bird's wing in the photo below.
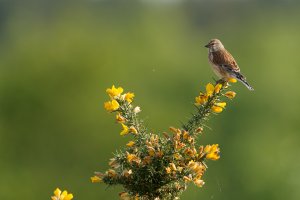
(224, 58)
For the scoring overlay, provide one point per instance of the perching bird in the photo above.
(223, 63)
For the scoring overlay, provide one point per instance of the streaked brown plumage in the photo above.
(223, 63)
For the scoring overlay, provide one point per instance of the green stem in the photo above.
(203, 112)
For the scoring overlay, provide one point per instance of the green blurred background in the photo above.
(58, 57)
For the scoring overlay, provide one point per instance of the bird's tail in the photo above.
(242, 79)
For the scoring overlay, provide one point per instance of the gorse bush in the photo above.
(160, 166)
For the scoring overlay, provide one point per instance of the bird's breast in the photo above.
(218, 70)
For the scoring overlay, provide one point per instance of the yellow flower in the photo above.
(216, 109)
(198, 168)
(168, 170)
(230, 94)
(173, 166)
(124, 196)
(130, 144)
(179, 169)
(133, 130)
(179, 145)
(177, 156)
(111, 173)
(191, 140)
(207, 148)
(221, 104)
(212, 152)
(201, 99)
(132, 158)
(213, 156)
(199, 182)
(114, 92)
(190, 152)
(96, 179)
(210, 89)
(232, 80)
(187, 179)
(175, 130)
(218, 88)
(129, 97)
(125, 130)
(111, 105)
(120, 118)
(192, 164)
(154, 139)
(58, 195)
(151, 151)
(185, 134)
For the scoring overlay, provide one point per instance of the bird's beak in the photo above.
(207, 46)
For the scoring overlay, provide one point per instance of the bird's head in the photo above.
(214, 45)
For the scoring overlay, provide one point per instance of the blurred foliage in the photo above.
(57, 58)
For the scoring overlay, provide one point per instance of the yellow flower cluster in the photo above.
(130, 143)
(212, 152)
(230, 94)
(129, 97)
(133, 158)
(58, 195)
(114, 92)
(115, 104)
(218, 107)
(184, 142)
(116, 97)
(198, 169)
(120, 118)
(127, 130)
(211, 90)
(172, 168)
(96, 179)
(111, 105)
